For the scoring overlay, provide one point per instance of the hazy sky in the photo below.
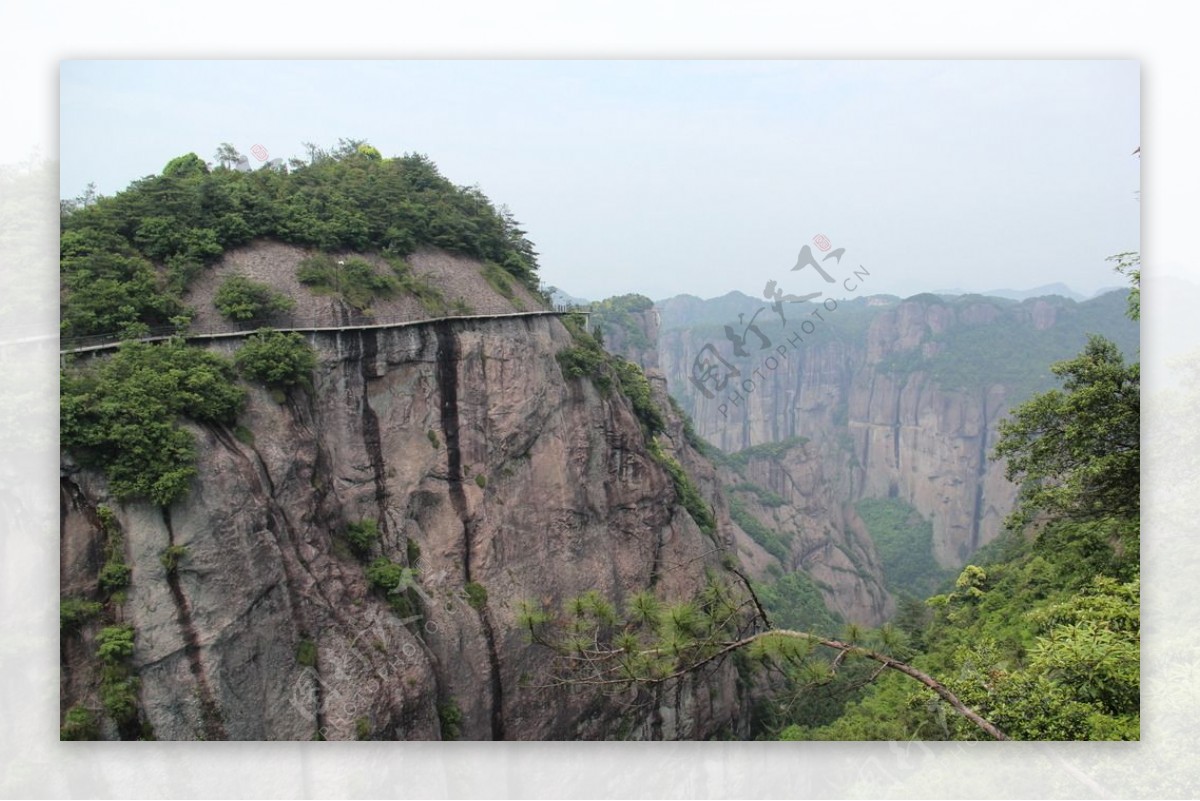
(664, 177)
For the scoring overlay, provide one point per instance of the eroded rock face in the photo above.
(640, 345)
(465, 443)
(808, 509)
(458, 279)
(825, 537)
(882, 432)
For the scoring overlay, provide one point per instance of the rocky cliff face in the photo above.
(795, 496)
(808, 491)
(489, 475)
(877, 414)
(636, 341)
(491, 480)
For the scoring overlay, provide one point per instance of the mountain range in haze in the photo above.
(560, 297)
(1057, 288)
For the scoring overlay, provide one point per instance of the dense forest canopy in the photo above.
(127, 259)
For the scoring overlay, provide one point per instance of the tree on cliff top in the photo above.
(1076, 451)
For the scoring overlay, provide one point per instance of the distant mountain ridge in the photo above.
(560, 298)
(678, 308)
(1057, 288)
(686, 311)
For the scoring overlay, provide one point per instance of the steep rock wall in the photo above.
(889, 432)
(824, 536)
(638, 342)
(465, 443)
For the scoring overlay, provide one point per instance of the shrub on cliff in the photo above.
(686, 491)
(79, 724)
(355, 281)
(636, 387)
(239, 299)
(585, 360)
(362, 536)
(122, 415)
(276, 358)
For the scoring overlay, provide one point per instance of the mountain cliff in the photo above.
(792, 516)
(483, 471)
(332, 533)
(898, 399)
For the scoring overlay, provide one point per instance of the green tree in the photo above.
(657, 643)
(113, 293)
(240, 299)
(1129, 264)
(367, 151)
(122, 415)
(1076, 451)
(79, 724)
(227, 155)
(348, 147)
(1035, 640)
(1080, 679)
(276, 358)
(362, 536)
(397, 582)
(118, 682)
(127, 260)
(115, 643)
(185, 166)
(794, 602)
(74, 612)
(355, 281)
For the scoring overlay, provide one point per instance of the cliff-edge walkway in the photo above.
(102, 342)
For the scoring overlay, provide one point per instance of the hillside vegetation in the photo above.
(126, 260)
(1003, 352)
(621, 313)
(1040, 634)
(904, 542)
(1038, 637)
